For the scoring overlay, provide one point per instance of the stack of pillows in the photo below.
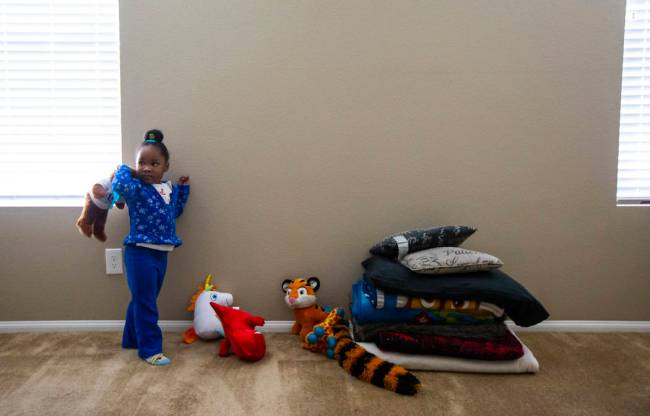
(427, 304)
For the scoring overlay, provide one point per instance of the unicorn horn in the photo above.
(207, 285)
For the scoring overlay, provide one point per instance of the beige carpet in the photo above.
(89, 374)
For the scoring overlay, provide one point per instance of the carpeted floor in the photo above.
(89, 374)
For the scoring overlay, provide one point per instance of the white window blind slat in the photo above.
(634, 134)
(59, 97)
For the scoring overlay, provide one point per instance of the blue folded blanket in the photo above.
(372, 305)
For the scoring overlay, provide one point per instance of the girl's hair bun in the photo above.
(155, 135)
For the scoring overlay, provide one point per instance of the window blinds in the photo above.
(59, 97)
(634, 140)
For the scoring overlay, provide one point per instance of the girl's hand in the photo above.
(183, 180)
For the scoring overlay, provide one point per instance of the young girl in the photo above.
(153, 208)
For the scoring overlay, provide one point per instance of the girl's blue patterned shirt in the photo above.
(152, 220)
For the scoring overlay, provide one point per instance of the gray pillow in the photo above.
(445, 260)
(396, 246)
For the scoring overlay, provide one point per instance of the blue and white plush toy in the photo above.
(98, 201)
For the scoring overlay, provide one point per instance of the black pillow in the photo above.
(491, 286)
(422, 239)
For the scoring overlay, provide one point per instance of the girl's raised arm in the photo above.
(183, 190)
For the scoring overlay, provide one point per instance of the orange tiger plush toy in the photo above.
(300, 296)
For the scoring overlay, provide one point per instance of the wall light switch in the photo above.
(114, 261)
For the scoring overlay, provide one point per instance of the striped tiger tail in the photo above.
(368, 367)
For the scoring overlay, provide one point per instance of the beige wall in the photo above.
(311, 129)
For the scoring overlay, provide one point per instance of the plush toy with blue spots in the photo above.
(322, 338)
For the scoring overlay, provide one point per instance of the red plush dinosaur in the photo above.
(239, 333)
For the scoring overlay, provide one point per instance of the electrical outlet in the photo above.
(114, 261)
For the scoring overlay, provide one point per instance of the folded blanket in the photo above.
(368, 332)
(371, 305)
(388, 300)
(492, 286)
(527, 363)
(506, 347)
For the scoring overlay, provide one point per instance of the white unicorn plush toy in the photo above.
(206, 323)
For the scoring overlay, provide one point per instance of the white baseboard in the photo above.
(82, 326)
(285, 326)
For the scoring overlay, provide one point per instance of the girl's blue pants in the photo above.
(145, 272)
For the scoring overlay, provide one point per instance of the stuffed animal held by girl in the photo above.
(95, 211)
(206, 324)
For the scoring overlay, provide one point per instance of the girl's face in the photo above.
(150, 164)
